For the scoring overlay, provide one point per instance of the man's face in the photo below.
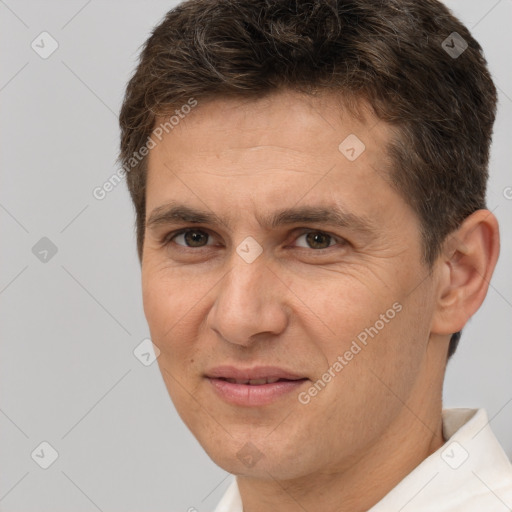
(296, 296)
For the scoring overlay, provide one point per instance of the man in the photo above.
(309, 183)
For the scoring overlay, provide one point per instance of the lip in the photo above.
(257, 372)
(248, 395)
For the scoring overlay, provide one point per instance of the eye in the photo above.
(318, 240)
(189, 238)
(198, 238)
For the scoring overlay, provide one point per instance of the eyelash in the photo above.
(167, 239)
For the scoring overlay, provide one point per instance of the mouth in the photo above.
(253, 387)
(256, 382)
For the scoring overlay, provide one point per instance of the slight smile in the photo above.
(253, 387)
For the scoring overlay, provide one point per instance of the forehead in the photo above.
(284, 148)
(286, 118)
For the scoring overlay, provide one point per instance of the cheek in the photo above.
(172, 318)
(373, 326)
(165, 308)
(157, 303)
(175, 310)
(347, 305)
(169, 298)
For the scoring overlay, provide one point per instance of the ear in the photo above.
(465, 268)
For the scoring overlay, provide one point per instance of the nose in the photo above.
(250, 303)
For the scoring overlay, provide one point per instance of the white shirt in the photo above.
(469, 473)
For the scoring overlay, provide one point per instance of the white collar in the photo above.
(469, 473)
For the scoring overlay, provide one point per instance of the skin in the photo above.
(300, 307)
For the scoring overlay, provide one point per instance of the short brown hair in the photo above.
(394, 55)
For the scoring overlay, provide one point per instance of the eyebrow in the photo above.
(174, 212)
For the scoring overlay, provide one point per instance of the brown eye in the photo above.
(192, 238)
(315, 240)
(318, 240)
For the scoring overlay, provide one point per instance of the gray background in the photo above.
(69, 325)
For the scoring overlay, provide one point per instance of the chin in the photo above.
(246, 456)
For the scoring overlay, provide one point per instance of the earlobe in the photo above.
(466, 266)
